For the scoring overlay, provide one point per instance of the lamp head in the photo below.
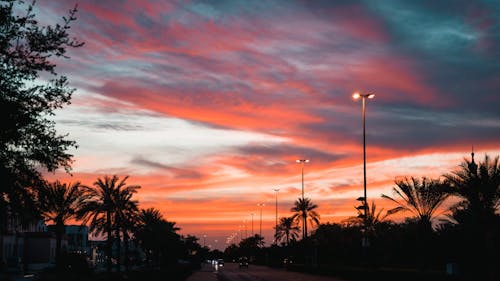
(356, 95)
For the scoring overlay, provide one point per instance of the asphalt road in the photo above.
(232, 272)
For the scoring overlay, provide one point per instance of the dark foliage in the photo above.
(30, 91)
(159, 239)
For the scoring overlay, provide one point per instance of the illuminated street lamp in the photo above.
(303, 161)
(276, 226)
(260, 228)
(363, 97)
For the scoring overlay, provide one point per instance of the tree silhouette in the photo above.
(125, 215)
(252, 242)
(422, 198)
(128, 223)
(251, 246)
(59, 202)
(28, 138)
(304, 209)
(148, 223)
(478, 187)
(476, 213)
(157, 235)
(372, 220)
(287, 230)
(100, 207)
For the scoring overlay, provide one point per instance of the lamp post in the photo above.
(260, 228)
(363, 97)
(303, 161)
(204, 240)
(252, 224)
(239, 231)
(276, 226)
(245, 224)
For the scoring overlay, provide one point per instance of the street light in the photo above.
(245, 223)
(204, 240)
(363, 97)
(276, 227)
(303, 161)
(241, 235)
(260, 228)
(252, 224)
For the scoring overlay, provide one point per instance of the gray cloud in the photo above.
(178, 173)
(282, 151)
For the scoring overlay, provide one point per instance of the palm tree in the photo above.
(129, 224)
(59, 202)
(154, 233)
(372, 220)
(422, 198)
(304, 209)
(478, 187)
(126, 212)
(287, 229)
(148, 221)
(100, 207)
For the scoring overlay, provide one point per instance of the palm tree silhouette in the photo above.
(478, 187)
(100, 207)
(125, 215)
(59, 202)
(372, 220)
(287, 229)
(152, 231)
(422, 198)
(304, 209)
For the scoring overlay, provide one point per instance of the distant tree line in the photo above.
(450, 221)
(110, 211)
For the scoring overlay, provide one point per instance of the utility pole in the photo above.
(276, 225)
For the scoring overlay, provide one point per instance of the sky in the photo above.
(208, 104)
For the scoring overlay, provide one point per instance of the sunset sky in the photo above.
(207, 104)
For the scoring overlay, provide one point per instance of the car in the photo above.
(287, 261)
(220, 262)
(243, 262)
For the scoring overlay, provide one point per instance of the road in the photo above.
(232, 272)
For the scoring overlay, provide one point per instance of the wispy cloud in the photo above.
(207, 104)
